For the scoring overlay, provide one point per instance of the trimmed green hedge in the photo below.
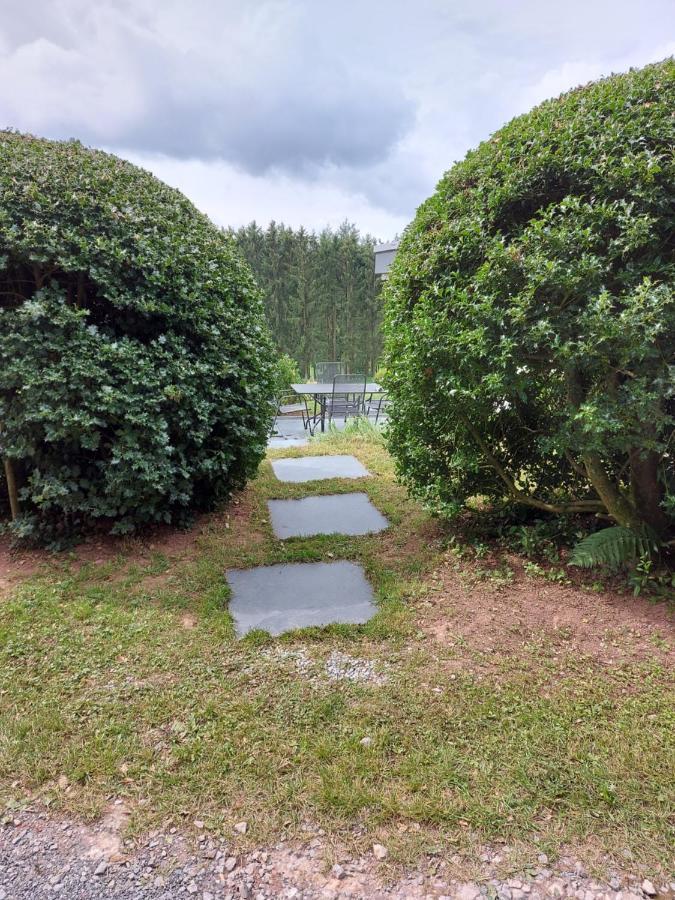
(135, 365)
(530, 324)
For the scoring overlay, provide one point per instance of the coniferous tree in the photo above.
(321, 295)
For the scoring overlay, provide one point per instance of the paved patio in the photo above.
(290, 432)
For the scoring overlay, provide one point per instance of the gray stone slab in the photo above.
(297, 595)
(278, 443)
(290, 427)
(332, 514)
(318, 468)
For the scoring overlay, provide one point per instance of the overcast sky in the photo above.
(306, 111)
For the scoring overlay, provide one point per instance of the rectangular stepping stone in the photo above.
(297, 595)
(318, 468)
(290, 428)
(332, 514)
(278, 443)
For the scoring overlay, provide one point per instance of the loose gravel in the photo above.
(44, 857)
(337, 667)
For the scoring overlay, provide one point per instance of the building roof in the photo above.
(384, 248)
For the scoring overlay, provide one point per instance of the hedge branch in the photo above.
(559, 509)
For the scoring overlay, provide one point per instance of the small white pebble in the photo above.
(379, 851)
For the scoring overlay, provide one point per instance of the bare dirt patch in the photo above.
(502, 619)
(100, 550)
(170, 542)
(105, 839)
(393, 548)
(15, 566)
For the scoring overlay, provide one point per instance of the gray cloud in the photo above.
(257, 89)
(291, 127)
(268, 108)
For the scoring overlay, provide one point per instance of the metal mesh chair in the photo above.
(274, 407)
(377, 403)
(326, 371)
(290, 405)
(312, 414)
(348, 397)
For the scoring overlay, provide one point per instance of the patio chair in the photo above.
(289, 404)
(325, 372)
(274, 406)
(311, 416)
(377, 403)
(348, 397)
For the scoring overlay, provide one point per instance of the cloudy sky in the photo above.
(306, 111)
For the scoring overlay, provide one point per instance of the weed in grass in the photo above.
(555, 575)
(499, 577)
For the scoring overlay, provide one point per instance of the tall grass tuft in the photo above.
(360, 428)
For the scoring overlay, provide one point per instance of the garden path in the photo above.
(299, 595)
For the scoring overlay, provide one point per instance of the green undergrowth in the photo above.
(123, 679)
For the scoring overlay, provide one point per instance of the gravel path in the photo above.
(43, 857)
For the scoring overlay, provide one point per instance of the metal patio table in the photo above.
(320, 390)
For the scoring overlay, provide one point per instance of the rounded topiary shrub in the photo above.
(135, 366)
(530, 322)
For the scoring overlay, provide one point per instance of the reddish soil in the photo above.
(99, 549)
(17, 565)
(490, 618)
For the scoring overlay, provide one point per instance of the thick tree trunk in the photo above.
(12, 489)
(618, 506)
(646, 489)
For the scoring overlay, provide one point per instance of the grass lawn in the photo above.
(121, 677)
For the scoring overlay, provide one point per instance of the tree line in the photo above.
(321, 295)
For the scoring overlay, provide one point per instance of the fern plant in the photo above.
(613, 547)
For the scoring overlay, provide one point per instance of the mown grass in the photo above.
(103, 683)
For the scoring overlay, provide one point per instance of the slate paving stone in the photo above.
(278, 443)
(297, 595)
(331, 514)
(318, 468)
